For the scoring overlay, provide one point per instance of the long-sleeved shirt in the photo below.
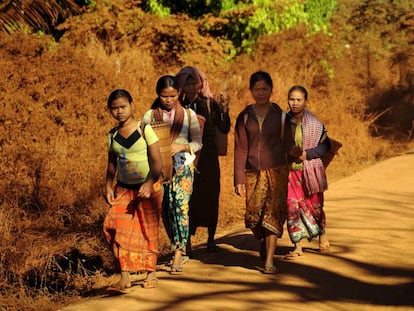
(260, 147)
(215, 119)
(190, 122)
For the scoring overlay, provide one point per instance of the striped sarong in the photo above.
(131, 228)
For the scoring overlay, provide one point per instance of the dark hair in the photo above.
(118, 94)
(162, 83)
(166, 81)
(299, 88)
(260, 76)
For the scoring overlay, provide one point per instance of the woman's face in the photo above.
(169, 97)
(191, 87)
(297, 102)
(261, 92)
(121, 109)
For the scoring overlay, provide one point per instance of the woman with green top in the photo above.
(131, 225)
(307, 178)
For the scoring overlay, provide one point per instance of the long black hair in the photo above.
(162, 83)
(299, 88)
(260, 76)
(118, 94)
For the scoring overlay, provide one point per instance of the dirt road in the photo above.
(370, 267)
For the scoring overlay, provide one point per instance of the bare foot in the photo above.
(323, 243)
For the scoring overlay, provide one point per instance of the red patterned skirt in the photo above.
(306, 218)
(131, 228)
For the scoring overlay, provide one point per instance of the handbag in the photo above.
(332, 152)
(220, 139)
(221, 142)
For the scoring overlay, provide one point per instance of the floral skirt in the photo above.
(306, 218)
(175, 206)
(266, 192)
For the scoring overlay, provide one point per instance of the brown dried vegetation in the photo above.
(53, 121)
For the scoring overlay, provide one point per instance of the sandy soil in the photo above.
(370, 266)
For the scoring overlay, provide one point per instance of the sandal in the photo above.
(118, 288)
(176, 269)
(324, 247)
(293, 255)
(212, 248)
(269, 269)
(152, 283)
(184, 260)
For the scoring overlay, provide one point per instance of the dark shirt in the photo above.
(215, 119)
(258, 149)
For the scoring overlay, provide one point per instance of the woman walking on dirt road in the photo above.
(262, 142)
(204, 201)
(307, 178)
(131, 225)
(185, 138)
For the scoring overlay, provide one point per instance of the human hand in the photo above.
(145, 190)
(176, 148)
(240, 190)
(109, 197)
(302, 157)
(223, 100)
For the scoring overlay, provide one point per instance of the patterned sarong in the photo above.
(131, 228)
(306, 218)
(266, 192)
(175, 207)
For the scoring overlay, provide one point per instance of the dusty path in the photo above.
(370, 267)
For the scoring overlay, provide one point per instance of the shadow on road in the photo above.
(325, 285)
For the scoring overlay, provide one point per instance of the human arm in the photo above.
(147, 118)
(320, 150)
(240, 153)
(110, 176)
(195, 133)
(155, 163)
(220, 113)
(240, 190)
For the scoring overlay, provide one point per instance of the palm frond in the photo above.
(35, 14)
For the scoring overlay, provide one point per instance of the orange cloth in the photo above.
(131, 228)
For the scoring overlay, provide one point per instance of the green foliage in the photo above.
(192, 8)
(328, 68)
(157, 8)
(250, 20)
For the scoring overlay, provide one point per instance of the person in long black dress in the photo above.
(204, 201)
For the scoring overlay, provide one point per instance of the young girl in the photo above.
(185, 141)
(307, 178)
(131, 225)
